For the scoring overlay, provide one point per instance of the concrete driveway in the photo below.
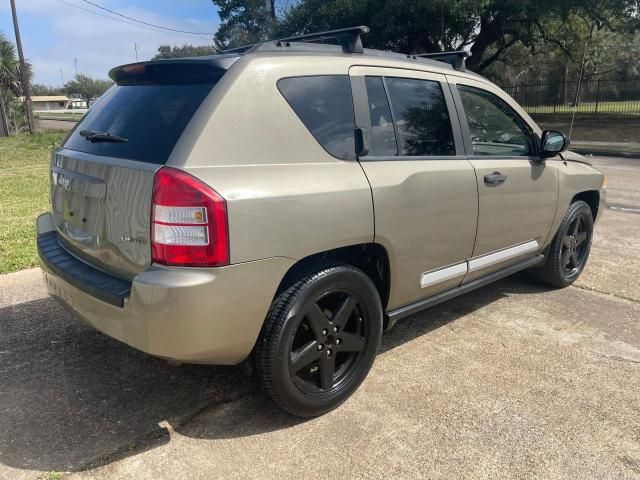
(512, 380)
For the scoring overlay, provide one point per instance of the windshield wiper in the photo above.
(94, 137)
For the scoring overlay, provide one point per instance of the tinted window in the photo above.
(383, 140)
(422, 118)
(324, 105)
(151, 117)
(495, 129)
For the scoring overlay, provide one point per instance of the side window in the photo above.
(495, 128)
(325, 106)
(422, 118)
(383, 141)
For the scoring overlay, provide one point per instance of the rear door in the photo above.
(102, 176)
(517, 190)
(424, 190)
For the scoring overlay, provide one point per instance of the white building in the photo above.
(45, 103)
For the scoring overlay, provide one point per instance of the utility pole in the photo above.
(135, 47)
(24, 77)
(75, 62)
(61, 78)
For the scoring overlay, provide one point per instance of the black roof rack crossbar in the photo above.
(454, 58)
(349, 38)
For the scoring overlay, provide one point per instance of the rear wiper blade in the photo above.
(102, 137)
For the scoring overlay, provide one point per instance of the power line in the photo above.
(143, 22)
(125, 21)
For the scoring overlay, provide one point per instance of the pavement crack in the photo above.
(611, 294)
(620, 359)
(145, 442)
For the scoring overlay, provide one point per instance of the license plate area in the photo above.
(78, 200)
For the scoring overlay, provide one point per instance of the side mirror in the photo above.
(553, 143)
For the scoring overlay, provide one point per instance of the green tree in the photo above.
(488, 28)
(166, 51)
(244, 21)
(606, 53)
(9, 80)
(13, 113)
(86, 88)
(39, 89)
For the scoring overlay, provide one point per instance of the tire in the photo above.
(569, 250)
(319, 340)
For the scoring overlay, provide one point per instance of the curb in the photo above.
(605, 153)
(74, 120)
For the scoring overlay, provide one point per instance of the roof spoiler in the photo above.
(185, 70)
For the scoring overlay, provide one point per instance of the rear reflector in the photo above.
(189, 221)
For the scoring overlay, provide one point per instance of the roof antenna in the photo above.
(575, 102)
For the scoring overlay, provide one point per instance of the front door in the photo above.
(424, 190)
(517, 190)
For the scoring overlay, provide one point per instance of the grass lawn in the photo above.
(24, 194)
(61, 115)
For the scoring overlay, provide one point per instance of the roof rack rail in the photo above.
(348, 38)
(454, 58)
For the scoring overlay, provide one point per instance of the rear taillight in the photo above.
(188, 221)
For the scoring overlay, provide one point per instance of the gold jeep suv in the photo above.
(290, 200)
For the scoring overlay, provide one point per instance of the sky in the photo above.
(54, 33)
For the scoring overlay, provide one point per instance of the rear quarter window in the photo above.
(324, 104)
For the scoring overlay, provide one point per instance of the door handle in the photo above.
(496, 178)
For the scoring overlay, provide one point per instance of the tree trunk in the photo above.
(490, 32)
(4, 125)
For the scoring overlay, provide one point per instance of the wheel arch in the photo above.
(591, 198)
(371, 258)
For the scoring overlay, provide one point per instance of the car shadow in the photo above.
(69, 394)
(71, 398)
(444, 313)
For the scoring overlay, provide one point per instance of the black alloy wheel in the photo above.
(567, 255)
(319, 340)
(329, 342)
(574, 246)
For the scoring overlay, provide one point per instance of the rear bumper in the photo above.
(211, 315)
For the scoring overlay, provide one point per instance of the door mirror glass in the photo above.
(553, 143)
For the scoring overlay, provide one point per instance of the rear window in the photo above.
(324, 105)
(150, 115)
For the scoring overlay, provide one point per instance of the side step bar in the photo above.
(394, 315)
